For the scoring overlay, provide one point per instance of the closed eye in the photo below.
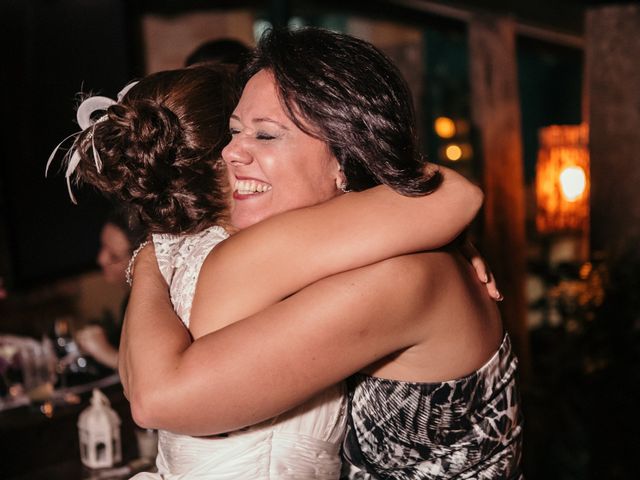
(265, 136)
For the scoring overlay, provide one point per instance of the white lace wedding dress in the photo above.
(303, 443)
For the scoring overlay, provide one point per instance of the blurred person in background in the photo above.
(222, 50)
(118, 237)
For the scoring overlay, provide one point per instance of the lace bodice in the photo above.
(303, 443)
(180, 258)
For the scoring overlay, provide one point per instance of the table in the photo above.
(34, 446)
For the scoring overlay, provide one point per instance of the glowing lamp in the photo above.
(562, 178)
(453, 152)
(445, 127)
(573, 182)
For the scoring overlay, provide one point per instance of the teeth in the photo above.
(248, 187)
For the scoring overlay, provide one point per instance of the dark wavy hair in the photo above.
(347, 93)
(161, 147)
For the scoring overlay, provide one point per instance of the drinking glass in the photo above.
(38, 361)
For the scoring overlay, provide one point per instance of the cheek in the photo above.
(229, 174)
(310, 186)
(322, 175)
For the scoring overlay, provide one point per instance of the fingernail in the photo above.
(499, 296)
(485, 278)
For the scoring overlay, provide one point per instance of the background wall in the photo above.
(49, 56)
(168, 39)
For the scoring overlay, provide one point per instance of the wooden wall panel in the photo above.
(495, 110)
(613, 84)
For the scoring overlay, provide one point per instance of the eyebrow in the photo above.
(262, 120)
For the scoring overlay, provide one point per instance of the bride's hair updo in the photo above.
(160, 148)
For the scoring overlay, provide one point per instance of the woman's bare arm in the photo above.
(270, 260)
(268, 363)
(252, 271)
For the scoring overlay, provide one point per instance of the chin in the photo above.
(114, 278)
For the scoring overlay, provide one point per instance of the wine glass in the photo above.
(38, 361)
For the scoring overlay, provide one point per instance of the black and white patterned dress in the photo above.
(470, 428)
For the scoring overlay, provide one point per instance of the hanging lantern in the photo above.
(99, 430)
(562, 179)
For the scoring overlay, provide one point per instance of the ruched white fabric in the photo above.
(303, 443)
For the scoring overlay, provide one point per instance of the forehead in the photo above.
(260, 98)
(113, 236)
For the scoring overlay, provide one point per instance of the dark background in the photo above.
(580, 423)
(54, 49)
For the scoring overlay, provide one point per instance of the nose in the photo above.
(101, 259)
(234, 154)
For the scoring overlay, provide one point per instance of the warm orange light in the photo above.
(585, 270)
(444, 127)
(453, 152)
(573, 182)
(562, 178)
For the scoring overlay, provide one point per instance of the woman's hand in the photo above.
(92, 339)
(471, 253)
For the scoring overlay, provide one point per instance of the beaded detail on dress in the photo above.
(470, 428)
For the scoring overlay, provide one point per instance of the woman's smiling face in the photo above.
(273, 166)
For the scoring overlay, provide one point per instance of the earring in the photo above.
(341, 182)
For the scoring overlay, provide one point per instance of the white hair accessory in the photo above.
(84, 117)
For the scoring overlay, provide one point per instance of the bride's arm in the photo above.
(270, 260)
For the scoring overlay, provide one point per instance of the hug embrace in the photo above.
(300, 310)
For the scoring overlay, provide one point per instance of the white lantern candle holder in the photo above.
(99, 430)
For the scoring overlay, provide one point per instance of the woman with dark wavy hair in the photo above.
(157, 149)
(432, 386)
